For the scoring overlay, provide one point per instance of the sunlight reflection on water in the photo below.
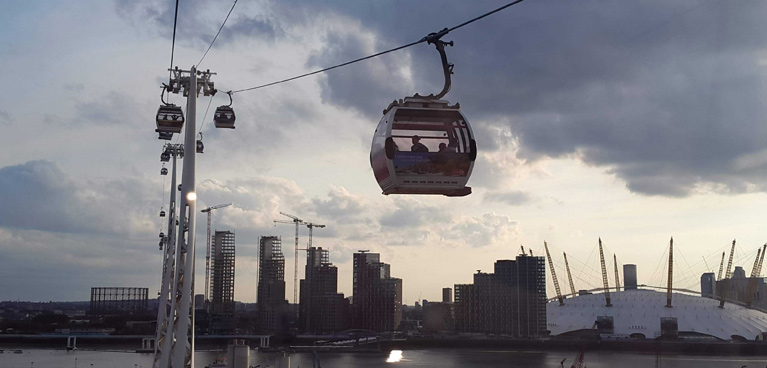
(395, 356)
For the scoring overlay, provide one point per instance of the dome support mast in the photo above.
(604, 275)
(670, 272)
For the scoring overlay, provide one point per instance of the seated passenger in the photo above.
(417, 145)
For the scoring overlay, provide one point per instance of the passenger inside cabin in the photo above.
(417, 145)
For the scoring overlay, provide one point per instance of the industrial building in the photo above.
(271, 285)
(322, 309)
(708, 285)
(221, 314)
(377, 297)
(741, 289)
(113, 301)
(629, 277)
(511, 301)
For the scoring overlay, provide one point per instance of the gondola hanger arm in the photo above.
(447, 68)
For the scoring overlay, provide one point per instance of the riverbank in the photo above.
(132, 343)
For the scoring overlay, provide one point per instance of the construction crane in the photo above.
(569, 276)
(617, 280)
(604, 275)
(209, 211)
(727, 276)
(312, 226)
(751, 288)
(553, 274)
(296, 221)
(670, 272)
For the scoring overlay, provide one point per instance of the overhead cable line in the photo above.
(429, 38)
(205, 116)
(217, 33)
(173, 44)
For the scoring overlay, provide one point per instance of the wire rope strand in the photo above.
(173, 43)
(217, 33)
(202, 123)
(422, 40)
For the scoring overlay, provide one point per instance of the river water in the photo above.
(41, 358)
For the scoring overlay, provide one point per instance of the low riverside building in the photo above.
(511, 301)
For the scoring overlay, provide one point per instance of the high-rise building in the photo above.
(321, 308)
(447, 295)
(739, 273)
(222, 283)
(272, 304)
(377, 296)
(511, 301)
(629, 277)
(708, 285)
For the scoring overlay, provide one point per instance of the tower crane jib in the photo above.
(296, 221)
(209, 210)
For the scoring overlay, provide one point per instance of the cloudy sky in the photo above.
(633, 120)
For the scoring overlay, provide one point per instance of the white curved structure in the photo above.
(640, 311)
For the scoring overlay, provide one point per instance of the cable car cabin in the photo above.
(163, 171)
(165, 156)
(224, 117)
(162, 213)
(423, 147)
(170, 119)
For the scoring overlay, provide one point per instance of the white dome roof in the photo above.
(639, 311)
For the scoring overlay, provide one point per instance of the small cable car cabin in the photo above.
(163, 171)
(162, 213)
(224, 117)
(170, 119)
(423, 146)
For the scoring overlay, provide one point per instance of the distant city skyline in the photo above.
(631, 122)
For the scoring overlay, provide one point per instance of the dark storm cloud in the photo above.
(667, 95)
(259, 27)
(196, 25)
(112, 108)
(38, 195)
(358, 86)
(5, 118)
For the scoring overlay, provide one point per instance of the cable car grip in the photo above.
(447, 68)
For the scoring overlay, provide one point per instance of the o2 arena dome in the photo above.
(642, 314)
